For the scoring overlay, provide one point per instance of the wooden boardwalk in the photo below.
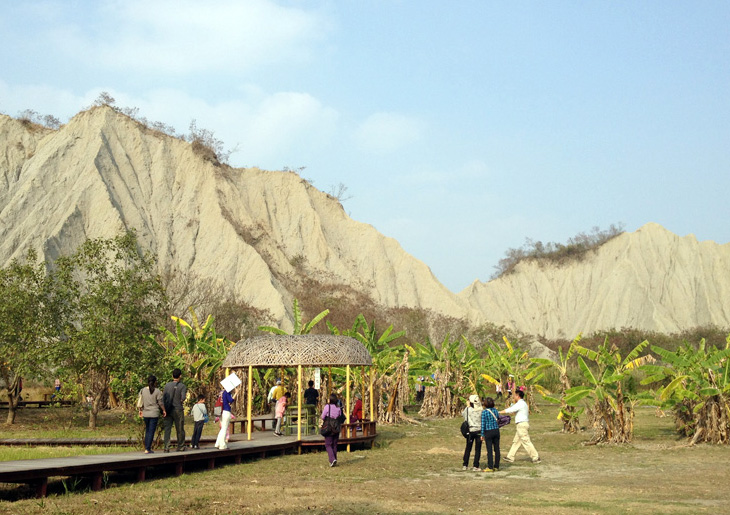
(36, 472)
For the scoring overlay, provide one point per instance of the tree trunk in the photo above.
(13, 395)
(12, 407)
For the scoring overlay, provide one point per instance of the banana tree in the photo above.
(696, 387)
(197, 350)
(451, 370)
(611, 413)
(390, 383)
(510, 360)
(568, 414)
(299, 326)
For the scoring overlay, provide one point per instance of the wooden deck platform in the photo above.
(37, 472)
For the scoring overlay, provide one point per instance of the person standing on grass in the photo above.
(490, 434)
(173, 397)
(522, 425)
(473, 414)
(330, 442)
(281, 405)
(222, 442)
(200, 417)
(150, 406)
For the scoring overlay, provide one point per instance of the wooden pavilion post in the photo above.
(372, 379)
(249, 400)
(299, 405)
(347, 405)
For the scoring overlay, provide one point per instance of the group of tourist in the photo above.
(483, 421)
(168, 402)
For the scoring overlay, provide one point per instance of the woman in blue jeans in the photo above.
(150, 406)
(490, 434)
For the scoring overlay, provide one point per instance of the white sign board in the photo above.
(231, 382)
(317, 378)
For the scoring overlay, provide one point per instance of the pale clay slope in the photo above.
(102, 173)
(651, 279)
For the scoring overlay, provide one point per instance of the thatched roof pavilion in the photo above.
(309, 350)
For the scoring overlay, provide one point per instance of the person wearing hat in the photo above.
(277, 392)
(473, 415)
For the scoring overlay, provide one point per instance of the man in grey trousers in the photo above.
(173, 397)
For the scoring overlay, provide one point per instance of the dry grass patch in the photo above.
(417, 469)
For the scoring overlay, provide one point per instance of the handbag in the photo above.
(331, 426)
(465, 425)
(502, 420)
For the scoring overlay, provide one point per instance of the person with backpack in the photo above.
(174, 395)
(490, 434)
(473, 417)
(332, 417)
(150, 406)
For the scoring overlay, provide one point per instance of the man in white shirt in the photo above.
(522, 424)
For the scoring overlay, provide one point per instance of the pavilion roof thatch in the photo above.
(302, 349)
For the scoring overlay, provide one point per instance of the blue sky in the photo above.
(459, 128)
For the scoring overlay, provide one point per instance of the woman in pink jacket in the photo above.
(281, 405)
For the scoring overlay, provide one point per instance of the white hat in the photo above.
(474, 399)
(278, 381)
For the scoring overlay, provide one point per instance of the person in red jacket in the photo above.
(357, 409)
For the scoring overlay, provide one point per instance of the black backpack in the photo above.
(465, 425)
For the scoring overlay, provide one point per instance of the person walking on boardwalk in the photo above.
(490, 434)
(473, 415)
(228, 399)
(522, 425)
(174, 396)
(150, 406)
(331, 410)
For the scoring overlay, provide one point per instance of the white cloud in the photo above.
(388, 132)
(188, 36)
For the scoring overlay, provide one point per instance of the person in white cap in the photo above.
(473, 415)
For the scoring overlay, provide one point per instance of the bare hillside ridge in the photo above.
(650, 279)
(255, 231)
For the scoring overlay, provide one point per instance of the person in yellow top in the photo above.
(277, 392)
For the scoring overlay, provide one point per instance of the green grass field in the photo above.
(417, 469)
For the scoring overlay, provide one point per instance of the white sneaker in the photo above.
(476, 469)
(464, 467)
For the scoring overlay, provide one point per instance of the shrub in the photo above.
(557, 253)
